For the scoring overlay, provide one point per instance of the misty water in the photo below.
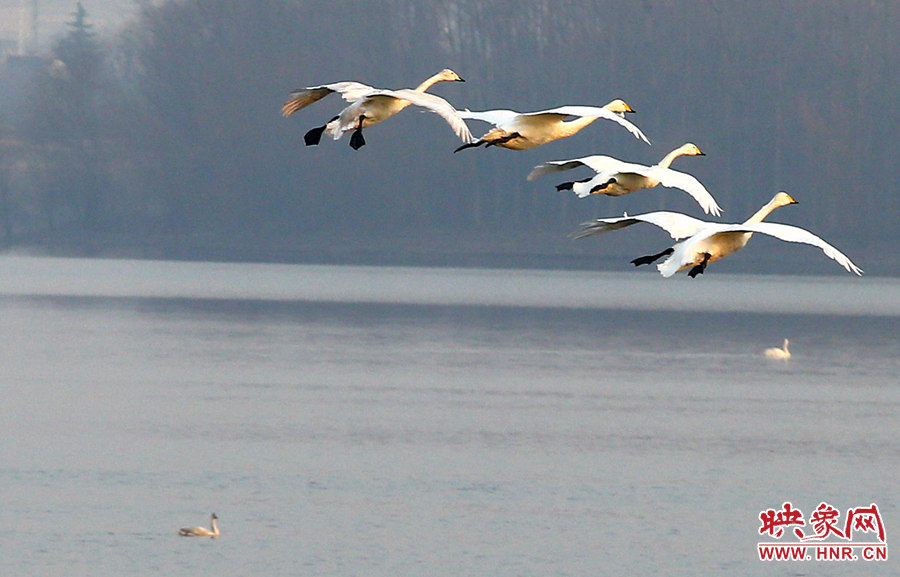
(390, 421)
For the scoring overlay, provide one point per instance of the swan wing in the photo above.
(790, 233)
(496, 117)
(432, 103)
(303, 97)
(675, 179)
(596, 163)
(593, 111)
(676, 224)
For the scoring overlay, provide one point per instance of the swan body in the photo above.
(779, 353)
(378, 105)
(524, 130)
(707, 242)
(616, 178)
(370, 106)
(202, 531)
(303, 97)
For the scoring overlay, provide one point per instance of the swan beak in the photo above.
(700, 152)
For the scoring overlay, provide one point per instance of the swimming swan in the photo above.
(201, 531)
(615, 178)
(524, 130)
(707, 242)
(372, 105)
(776, 353)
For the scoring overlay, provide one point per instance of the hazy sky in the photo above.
(53, 15)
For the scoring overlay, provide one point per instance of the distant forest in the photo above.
(166, 140)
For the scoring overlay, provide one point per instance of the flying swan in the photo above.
(707, 242)
(370, 106)
(201, 531)
(779, 353)
(615, 178)
(524, 130)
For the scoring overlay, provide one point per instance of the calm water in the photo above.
(393, 422)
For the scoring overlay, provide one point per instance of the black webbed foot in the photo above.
(475, 144)
(652, 258)
(698, 269)
(313, 137)
(356, 139)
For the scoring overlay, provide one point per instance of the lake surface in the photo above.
(388, 421)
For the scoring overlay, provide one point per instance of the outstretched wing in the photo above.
(495, 117)
(433, 103)
(303, 97)
(676, 224)
(790, 233)
(675, 179)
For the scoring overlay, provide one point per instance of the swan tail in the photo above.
(334, 129)
(669, 266)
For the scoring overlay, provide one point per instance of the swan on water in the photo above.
(615, 178)
(707, 242)
(370, 106)
(202, 531)
(524, 130)
(779, 353)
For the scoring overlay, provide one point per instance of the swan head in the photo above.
(619, 107)
(214, 516)
(448, 75)
(782, 199)
(690, 149)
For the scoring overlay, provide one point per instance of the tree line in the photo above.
(165, 139)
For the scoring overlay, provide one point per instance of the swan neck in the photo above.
(667, 159)
(428, 83)
(762, 213)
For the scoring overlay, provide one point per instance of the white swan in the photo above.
(202, 531)
(615, 178)
(707, 242)
(373, 105)
(524, 130)
(779, 353)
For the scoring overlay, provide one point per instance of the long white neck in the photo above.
(785, 347)
(215, 527)
(762, 213)
(429, 82)
(667, 159)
